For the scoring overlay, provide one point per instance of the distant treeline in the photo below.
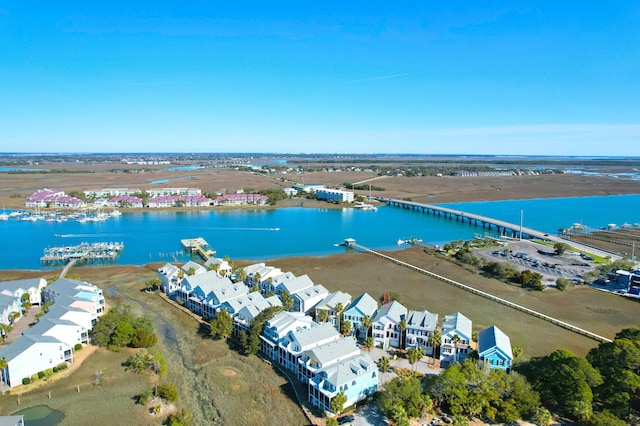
(362, 187)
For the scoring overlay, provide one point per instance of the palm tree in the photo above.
(383, 365)
(414, 355)
(403, 328)
(323, 316)
(256, 278)
(214, 267)
(434, 340)
(347, 328)
(287, 300)
(241, 275)
(456, 340)
(369, 343)
(367, 322)
(338, 308)
(3, 366)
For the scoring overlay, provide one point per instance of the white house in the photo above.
(278, 327)
(63, 330)
(171, 278)
(30, 354)
(8, 305)
(386, 331)
(307, 299)
(357, 377)
(31, 286)
(223, 265)
(420, 325)
(456, 324)
(329, 304)
(363, 305)
(295, 342)
(322, 356)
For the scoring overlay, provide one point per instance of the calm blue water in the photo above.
(266, 234)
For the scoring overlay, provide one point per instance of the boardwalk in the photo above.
(488, 223)
(486, 295)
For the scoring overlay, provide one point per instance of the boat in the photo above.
(400, 242)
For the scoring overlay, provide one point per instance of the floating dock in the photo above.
(84, 252)
(198, 246)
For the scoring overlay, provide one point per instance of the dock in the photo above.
(84, 252)
(198, 246)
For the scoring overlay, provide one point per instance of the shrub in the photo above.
(55, 369)
(167, 391)
(62, 366)
(34, 377)
(145, 396)
(77, 346)
(26, 381)
(40, 374)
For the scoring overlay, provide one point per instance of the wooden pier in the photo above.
(102, 252)
(198, 246)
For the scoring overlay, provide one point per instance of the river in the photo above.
(258, 234)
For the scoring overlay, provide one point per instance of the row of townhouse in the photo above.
(51, 197)
(494, 346)
(320, 357)
(77, 305)
(11, 293)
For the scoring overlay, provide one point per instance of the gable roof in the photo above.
(309, 293)
(493, 338)
(393, 310)
(346, 371)
(295, 284)
(315, 334)
(332, 300)
(329, 353)
(423, 320)
(458, 323)
(25, 284)
(365, 304)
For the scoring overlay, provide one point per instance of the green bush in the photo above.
(55, 369)
(62, 366)
(40, 374)
(77, 346)
(26, 381)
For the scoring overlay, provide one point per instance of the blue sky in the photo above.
(466, 77)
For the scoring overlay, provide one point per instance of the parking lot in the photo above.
(541, 259)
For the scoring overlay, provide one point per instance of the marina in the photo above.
(100, 252)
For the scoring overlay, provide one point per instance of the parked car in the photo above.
(345, 420)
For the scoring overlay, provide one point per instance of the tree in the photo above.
(122, 335)
(138, 362)
(561, 248)
(414, 355)
(455, 339)
(287, 300)
(530, 279)
(619, 364)
(434, 340)
(403, 397)
(338, 308)
(347, 328)
(369, 343)
(384, 364)
(257, 278)
(323, 315)
(500, 270)
(143, 339)
(367, 323)
(337, 402)
(214, 267)
(402, 326)
(241, 275)
(221, 325)
(167, 391)
(14, 316)
(516, 351)
(564, 381)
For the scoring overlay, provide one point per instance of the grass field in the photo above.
(355, 273)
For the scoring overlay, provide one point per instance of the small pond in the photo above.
(40, 415)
